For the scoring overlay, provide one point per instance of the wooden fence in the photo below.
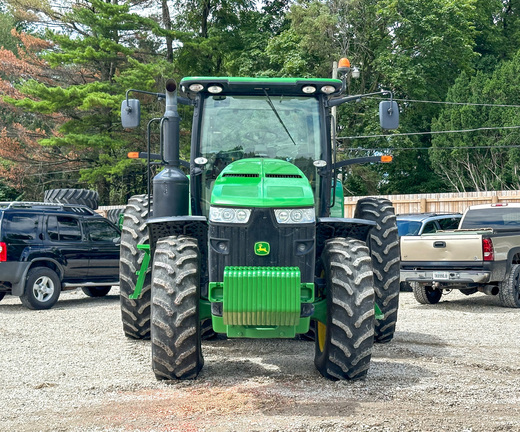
(439, 202)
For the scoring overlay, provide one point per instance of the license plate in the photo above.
(440, 275)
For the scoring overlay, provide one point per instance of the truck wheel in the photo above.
(96, 291)
(134, 313)
(426, 294)
(42, 289)
(344, 344)
(176, 336)
(509, 289)
(86, 197)
(384, 248)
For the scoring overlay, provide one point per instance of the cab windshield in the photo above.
(278, 127)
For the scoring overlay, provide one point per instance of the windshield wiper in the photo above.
(270, 102)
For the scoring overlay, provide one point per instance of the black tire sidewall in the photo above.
(28, 298)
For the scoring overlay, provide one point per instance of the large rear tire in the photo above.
(86, 197)
(509, 289)
(176, 336)
(344, 344)
(384, 248)
(135, 314)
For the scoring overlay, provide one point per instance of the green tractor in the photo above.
(253, 242)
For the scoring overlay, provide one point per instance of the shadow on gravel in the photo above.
(476, 303)
(81, 301)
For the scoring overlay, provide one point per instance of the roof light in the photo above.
(320, 163)
(133, 155)
(386, 158)
(215, 89)
(328, 89)
(196, 87)
(344, 62)
(309, 89)
(344, 65)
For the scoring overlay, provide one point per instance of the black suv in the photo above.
(46, 248)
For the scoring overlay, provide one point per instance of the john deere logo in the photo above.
(262, 248)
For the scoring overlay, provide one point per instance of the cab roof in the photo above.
(258, 86)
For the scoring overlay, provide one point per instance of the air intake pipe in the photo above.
(171, 185)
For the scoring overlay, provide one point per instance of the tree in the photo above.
(94, 58)
(480, 160)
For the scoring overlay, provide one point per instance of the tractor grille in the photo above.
(261, 296)
(240, 239)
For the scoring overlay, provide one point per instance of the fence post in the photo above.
(423, 205)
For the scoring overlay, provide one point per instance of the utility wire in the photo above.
(427, 133)
(378, 149)
(448, 103)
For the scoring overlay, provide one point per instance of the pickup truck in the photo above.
(483, 254)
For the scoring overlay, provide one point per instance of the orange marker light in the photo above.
(344, 63)
(133, 155)
(386, 159)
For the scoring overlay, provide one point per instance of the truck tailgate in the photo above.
(451, 247)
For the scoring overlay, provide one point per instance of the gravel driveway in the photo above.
(454, 366)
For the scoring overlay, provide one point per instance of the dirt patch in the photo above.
(453, 366)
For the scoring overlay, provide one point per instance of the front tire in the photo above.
(384, 248)
(344, 344)
(426, 294)
(135, 313)
(42, 289)
(176, 335)
(509, 289)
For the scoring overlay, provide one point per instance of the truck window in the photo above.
(430, 227)
(494, 217)
(449, 223)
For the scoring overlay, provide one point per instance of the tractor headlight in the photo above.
(295, 216)
(229, 215)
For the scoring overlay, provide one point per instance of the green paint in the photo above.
(261, 302)
(141, 273)
(263, 183)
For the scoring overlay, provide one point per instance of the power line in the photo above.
(449, 103)
(427, 133)
(435, 148)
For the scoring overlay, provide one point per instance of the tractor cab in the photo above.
(268, 118)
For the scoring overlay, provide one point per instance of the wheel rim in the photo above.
(43, 288)
(322, 331)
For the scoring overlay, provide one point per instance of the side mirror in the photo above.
(389, 114)
(130, 113)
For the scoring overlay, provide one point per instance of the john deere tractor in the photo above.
(252, 243)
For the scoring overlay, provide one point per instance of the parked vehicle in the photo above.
(424, 223)
(46, 248)
(482, 255)
(249, 243)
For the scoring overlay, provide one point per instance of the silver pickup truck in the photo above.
(482, 255)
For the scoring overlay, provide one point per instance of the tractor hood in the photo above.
(262, 183)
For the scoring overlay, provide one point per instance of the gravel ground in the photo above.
(454, 366)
